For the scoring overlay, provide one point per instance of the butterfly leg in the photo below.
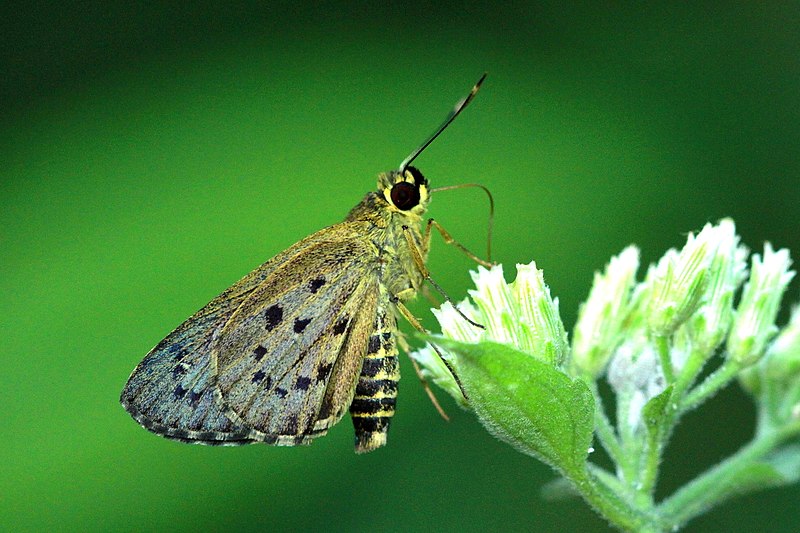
(401, 340)
(419, 327)
(416, 255)
(448, 239)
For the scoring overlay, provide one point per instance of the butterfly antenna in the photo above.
(460, 106)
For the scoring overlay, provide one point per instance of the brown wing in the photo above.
(288, 360)
(172, 391)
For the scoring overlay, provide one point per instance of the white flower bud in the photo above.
(600, 318)
(754, 323)
(727, 271)
(539, 322)
(679, 281)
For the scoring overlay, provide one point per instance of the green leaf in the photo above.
(656, 414)
(527, 403)
(656, 418)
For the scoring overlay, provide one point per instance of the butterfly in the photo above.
(285, 352)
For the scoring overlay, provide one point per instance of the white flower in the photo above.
(600, 318)
(783, 354)
(540, 330)
(754, 323)
(635, 374)
(521, 314)
(678, 282)
(727, 271)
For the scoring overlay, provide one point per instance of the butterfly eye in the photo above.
(405, 195)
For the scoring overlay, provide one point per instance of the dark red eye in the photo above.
(405, 195)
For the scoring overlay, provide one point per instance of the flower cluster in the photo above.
(645, 334)
(653, 341)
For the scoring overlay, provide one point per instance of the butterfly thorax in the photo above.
(394, 213)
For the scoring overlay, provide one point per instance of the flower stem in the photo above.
(723, 480)
(692, 367)
(603, 428)
(711, 385)
(662, 347)
(652, 459)
(615, 507)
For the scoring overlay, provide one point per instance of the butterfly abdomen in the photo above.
(373, 405)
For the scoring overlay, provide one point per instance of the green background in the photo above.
(149, 157)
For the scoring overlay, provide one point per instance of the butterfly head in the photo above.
(406, 191)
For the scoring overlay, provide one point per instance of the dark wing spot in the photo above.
(300, 324)
(258, 376)
(273, 316)
(323, 370)
(281, 392)
(336, 261)
(291, 424)
(179, 370)
(194, 397)
(179, 392)
(302, 383)
(315, 284)
(340, 326)
(177, 352)
(259, 353)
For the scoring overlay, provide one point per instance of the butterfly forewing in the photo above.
(275, 358)
(298, 336)
(172, 391)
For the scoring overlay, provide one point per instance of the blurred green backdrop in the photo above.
(150, 156)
